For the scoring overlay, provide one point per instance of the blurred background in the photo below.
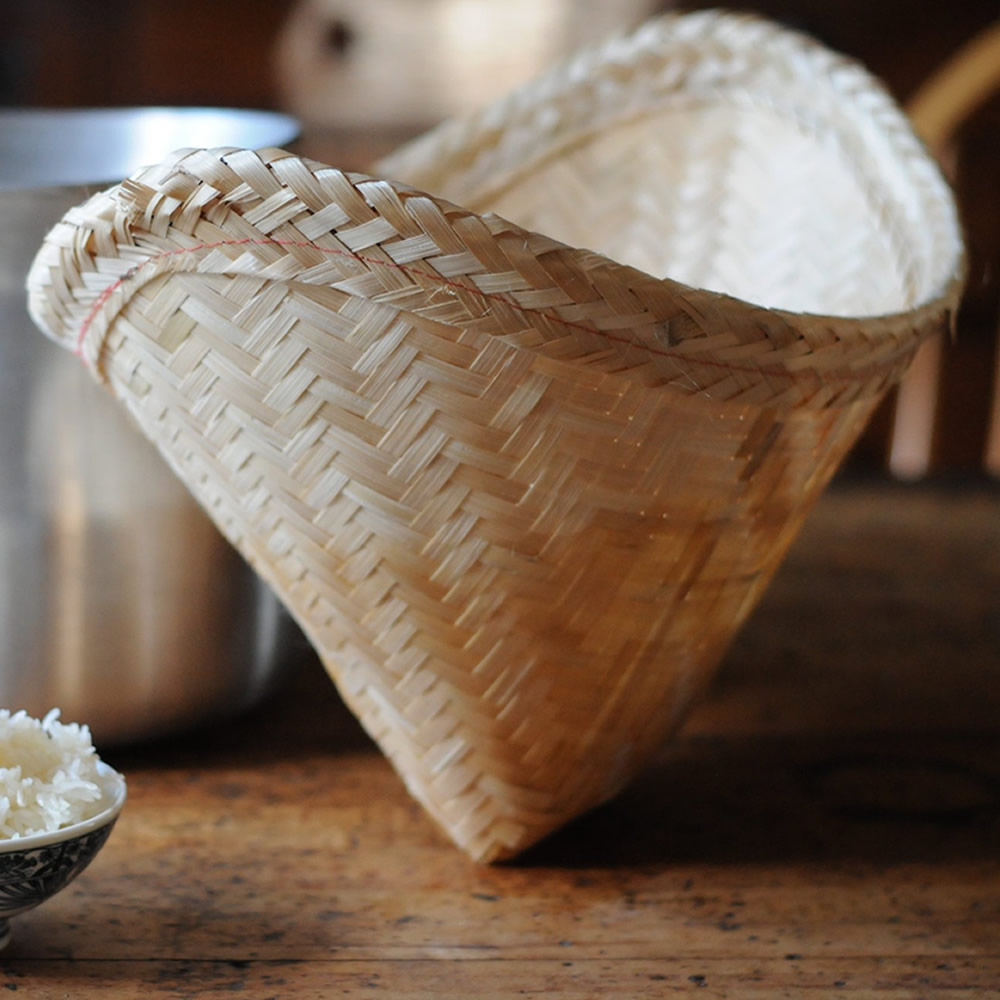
(362, 75)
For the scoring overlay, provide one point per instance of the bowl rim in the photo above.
(115, 790)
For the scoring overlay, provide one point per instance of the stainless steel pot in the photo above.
(119, 601)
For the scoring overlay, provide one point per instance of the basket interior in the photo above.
(733, 199)
(720, 151)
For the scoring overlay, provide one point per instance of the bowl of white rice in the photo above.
(58, 803)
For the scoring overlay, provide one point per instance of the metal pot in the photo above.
(119, 601)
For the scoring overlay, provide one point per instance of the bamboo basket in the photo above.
(521, 494)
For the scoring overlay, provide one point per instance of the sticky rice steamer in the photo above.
(520, 427)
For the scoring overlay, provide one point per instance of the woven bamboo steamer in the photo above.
(520, 494)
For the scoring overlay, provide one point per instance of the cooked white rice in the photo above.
(48, 774)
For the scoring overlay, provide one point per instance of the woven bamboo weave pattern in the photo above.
(518, 494)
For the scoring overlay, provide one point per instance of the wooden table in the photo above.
(825, 825)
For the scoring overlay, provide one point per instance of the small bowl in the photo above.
(35, 868)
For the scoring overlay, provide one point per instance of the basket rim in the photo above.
(884, 343)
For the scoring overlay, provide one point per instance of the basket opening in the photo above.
(736, 199)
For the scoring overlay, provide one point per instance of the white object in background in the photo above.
(371, 63)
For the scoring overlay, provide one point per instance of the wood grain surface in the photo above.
(825, 825)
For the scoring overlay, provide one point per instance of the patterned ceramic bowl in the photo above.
(32, 869)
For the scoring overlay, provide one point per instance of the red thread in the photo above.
(306, 244)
